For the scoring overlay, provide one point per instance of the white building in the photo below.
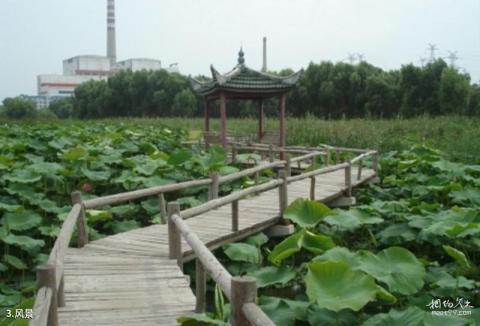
(82, 68)
(138, 64)
(87, 65)
(62, 85)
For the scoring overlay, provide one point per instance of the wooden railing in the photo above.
(240, 291)
(50, 293)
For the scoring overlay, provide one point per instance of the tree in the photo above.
(184, 104)
(454, 92)
(18, 108)
(62, 108)
(474, 103)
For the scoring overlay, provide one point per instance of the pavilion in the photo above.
(245, 83)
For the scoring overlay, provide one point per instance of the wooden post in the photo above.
(244, 290)
(61, 292)
(359, 173)
(214, 186)
(283, 99)
(314, 162)
(200, 287)
(235, 216)
(234, 153)
(348, 178)
(288, 166)
(46, 277)
(174, 236)
(337, 156)
(206, 113)
(260, 120)
(312, 187)
(375, 161)
(257, 178)
(327, 157)
(283, 191)
(270, 153)
(82, 233)
(223, 119)
(163, 207)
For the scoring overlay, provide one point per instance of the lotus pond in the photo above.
(408, 252)
(413, 239)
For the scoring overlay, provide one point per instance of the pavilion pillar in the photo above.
(282, 104)
(223, 119)
(206, 115)
(260, 120)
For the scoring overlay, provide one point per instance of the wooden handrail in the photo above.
(255, 315)
(251, 171)
(136, 194)
(43, 300)
(51, 274)
(216, 203)
(210, 263)
(362, 156)
(345, 149)
(317, 172)
(306, 156)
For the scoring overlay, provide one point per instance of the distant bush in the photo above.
(18, 108)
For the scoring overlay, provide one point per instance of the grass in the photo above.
(458, 137)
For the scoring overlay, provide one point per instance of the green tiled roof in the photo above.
(242, 78)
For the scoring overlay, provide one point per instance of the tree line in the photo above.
(326, 90)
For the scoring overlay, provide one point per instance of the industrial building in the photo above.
(87, 65)
(138, 64)
(82, 68)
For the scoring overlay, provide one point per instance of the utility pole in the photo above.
(361, 57)
(432, 48)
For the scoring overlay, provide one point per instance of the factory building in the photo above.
(82, 68)
(138, 64)
(87, 65)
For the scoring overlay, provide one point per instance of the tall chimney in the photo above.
(264, 67)
(111, 40)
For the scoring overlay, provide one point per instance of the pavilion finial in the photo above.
(241, 59)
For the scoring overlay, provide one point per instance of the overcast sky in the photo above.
(35, 36)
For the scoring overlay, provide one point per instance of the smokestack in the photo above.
(264, 67)
(111, 40)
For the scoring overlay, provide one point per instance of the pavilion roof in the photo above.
(244, 79)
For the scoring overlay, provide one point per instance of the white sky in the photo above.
(36, 35)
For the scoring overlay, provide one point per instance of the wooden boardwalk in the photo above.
(128, 279)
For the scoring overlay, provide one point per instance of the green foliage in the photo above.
(413, 316)
(335, 286)
(306, 213)
(62, 108)
(242, 252)
(42, 163)
(303, 239)
(270, 275)
(413, 238)
(18, 108)
(326, 90)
